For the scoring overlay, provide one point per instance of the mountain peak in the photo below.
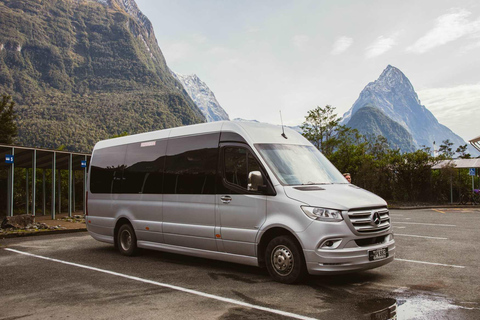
(203, 97)
(390, 78)
(394, 95)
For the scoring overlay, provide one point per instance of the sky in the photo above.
(260, 57)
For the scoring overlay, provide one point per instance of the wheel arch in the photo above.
(268, 235)
(120, 222)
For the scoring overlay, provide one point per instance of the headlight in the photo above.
(322, 214)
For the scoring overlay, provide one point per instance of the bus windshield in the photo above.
(299, 164)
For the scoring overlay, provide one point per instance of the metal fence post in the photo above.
(70, 185)
(12, 185)
(27, 193)
(85, 188)
(34, 181)
(54, 169)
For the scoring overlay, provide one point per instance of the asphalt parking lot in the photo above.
(436, 275)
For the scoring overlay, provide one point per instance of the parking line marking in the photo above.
(166, 285)
(438, 210)
(432, 263)
(427, 224)
(399, 227)
(415, 236)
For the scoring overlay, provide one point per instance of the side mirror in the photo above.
(255, 181)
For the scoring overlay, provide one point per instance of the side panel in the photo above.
(241, 219)
(189, 191)
(105, 178)
(241, 211)
(189, 220)
(141, 197)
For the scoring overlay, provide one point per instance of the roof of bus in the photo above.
(252, 132)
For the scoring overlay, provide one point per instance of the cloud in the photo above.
(341, 45)
(220, 51)
(455, 107)
(300, 41)
(380, 46)
(199, 38)
(448, 27)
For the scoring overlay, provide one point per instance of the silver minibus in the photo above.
(239, 192)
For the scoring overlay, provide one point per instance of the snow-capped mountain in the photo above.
(202, 96)
(393, 94)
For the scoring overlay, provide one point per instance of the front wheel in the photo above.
(284, 260)
(126, 240)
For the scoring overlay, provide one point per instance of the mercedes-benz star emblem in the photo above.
(376, 218)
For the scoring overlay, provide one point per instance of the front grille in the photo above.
(363, 222)
(370, 241)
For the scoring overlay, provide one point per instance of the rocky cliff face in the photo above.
(203, 97)
(372, 121)
(84, 70)
(394, 95)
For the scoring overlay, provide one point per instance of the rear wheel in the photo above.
(126, 240)
(284, 260)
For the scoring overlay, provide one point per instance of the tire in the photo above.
(126, 240)
(284, 260)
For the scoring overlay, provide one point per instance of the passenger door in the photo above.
(241, 212)
(189, 191)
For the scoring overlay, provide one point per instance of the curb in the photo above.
(436, 207)
(40, 233)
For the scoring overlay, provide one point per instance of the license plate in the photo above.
(378, 254)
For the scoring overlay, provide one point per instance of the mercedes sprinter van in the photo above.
(239, 192)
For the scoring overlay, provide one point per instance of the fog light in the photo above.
(331, 244)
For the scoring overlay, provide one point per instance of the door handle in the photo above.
(226, 199)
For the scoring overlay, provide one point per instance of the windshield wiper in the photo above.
(314, 183)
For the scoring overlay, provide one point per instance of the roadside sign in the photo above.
(472, 171)
(83, 164)
(8, 158)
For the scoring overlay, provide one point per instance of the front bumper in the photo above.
(346, 260)
(350, 255)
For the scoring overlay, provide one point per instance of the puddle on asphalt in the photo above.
(378, 309)
(422, 307)
(416, 307)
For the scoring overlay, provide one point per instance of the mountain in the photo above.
(84, 70)
(202, 96)
(394, 95)
(371, 120)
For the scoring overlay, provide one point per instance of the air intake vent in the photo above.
(370, 220)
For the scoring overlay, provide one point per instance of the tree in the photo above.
(446, 149)
(8, 127)
(462, 151)
(123, 134)
(321, 127)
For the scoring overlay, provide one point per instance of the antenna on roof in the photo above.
(283, 130)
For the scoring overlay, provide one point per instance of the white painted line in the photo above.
(400, 227)
(428, 224)
(432, 263)
(166, 285)
(396, 215)
(415, 236)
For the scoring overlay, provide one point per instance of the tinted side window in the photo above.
(144, 164)
(238, 164)
(191, 163)
(107, 169)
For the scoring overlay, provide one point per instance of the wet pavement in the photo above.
(435, 276)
